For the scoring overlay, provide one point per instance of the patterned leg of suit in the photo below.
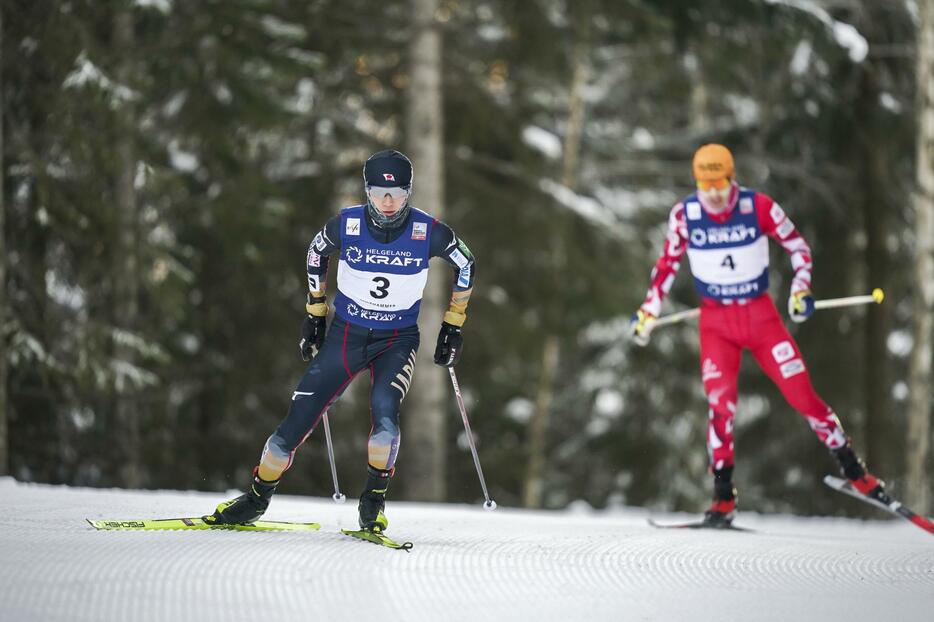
(779, 357)
(720, 357)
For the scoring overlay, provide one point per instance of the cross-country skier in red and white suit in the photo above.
(724, 229)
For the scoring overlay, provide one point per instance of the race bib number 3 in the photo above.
(381, 287)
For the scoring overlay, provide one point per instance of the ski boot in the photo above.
(373, 500)
(855, 471)
(722, 511)
(246, 508)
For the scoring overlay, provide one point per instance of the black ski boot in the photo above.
(246, 508)
(373, 500)
(722, 510)
(854, 470)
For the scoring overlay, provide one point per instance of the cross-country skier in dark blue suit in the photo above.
(383, 251)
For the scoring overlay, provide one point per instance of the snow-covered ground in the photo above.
(467, 564)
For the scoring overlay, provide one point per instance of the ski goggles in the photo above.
(376, 193)
(713, 184)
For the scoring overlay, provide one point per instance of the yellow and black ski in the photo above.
(376, 536)
(171, 524)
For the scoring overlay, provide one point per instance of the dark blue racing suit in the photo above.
(381, 276)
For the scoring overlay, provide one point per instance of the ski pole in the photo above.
(337, 496)
(489, 504)
(674, 318)
(877, 296)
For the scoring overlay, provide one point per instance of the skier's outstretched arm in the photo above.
(314, 325)
(445, 244)
(662, 277)
(775, 223)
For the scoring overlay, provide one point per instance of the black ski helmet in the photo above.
(387, 169)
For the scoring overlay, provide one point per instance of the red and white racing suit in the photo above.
(728, 254)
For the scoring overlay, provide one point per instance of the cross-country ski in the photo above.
(698, 525)
(880, 500)
(177, 524)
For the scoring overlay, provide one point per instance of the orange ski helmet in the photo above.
(713, 162)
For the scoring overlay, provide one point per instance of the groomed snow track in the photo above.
(467, 564)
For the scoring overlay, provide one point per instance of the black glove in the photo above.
(450, 343)
(313, 328)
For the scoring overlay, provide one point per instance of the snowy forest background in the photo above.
(165, 165)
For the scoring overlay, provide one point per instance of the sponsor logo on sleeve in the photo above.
(692, 210)
(783, 351)
(458, 258)
(319, 242)
(419, 230)
(352, 227)
(313, 283)
(463, 277)
(777, 213)
(792, 368)
(785, 228)
(314, 259)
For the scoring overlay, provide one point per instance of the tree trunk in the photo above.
(576, 107)
(425, 420)
(533, 493)
(4, 439)
(126, 265)
(877, 432)
(876, 436)
(919, 375)
(534, 485)
(699, 121)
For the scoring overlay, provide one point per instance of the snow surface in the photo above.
(467, 564)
